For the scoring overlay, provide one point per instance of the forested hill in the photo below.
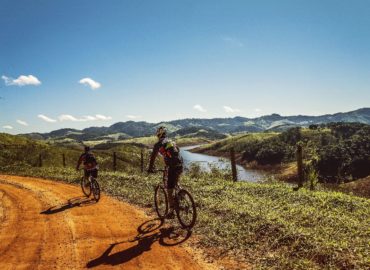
(210, 127)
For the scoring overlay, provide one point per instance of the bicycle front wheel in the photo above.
(161, 202)
(185, 209)
(85, 186)
(95, 190)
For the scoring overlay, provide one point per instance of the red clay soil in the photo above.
(50, 225)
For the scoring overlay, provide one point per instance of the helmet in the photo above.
(161, 132)
(87, 148)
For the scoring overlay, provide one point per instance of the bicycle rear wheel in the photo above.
(185, 209)
(95, 189)
(161, 201)
(85, 186)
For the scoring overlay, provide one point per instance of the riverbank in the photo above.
(287, 172)
(281, 172)
(208, 163)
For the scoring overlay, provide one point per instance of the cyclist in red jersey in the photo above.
(173, 160)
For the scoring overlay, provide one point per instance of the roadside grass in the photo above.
(267, 225)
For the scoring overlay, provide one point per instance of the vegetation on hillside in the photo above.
(18, 150)
(337, 151)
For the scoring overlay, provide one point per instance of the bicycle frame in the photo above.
(178, 196)
(165, 178)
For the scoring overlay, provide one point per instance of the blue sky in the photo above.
(93, 63)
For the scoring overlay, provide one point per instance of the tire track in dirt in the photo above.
(49, 224)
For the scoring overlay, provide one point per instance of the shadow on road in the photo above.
(148, 233)
(74, 202)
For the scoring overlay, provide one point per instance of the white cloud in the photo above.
(233, 41)
(90, 82)
(68, 117)
(89, 118)
(257, 110)
(23, 123)
(133, 116)
(21, 80)
(102, 117)
(199, 108)
(231, 110)
(46, 119)
(8, 127)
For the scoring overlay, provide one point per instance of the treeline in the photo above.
(337, 151)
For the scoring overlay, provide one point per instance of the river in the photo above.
(206, 162)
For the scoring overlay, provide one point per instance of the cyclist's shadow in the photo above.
(145, 238)
(73, 202)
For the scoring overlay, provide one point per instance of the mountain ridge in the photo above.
(212, 125)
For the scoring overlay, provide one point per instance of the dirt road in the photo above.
(50, 225)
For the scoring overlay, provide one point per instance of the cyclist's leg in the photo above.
(173, 178)
(94, 173)
(86, 174)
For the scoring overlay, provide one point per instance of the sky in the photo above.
(81, 63)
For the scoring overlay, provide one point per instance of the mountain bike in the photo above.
(184, 207)
(90, 185)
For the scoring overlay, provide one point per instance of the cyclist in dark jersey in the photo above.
(173, 160)
(89, 162)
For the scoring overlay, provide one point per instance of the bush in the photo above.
(271, 153)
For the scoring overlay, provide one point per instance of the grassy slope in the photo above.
(222, 147)
(360, 187)
(17, 149)
(268, 225)
(238, 142)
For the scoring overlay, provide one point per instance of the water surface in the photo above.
(206, 162)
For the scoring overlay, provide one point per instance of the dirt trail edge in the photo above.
(50, 225)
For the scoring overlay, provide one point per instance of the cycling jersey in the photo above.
(88, 160)
(170, 152)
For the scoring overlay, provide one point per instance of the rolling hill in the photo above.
(215, 127)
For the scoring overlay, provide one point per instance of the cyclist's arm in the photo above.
(153, 156)
(79, 162)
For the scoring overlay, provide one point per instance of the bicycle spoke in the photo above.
(160, 200)
(186, 211)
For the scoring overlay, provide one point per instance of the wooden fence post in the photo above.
(300, 166)
(142, 160)
(233, 165)
(114, 161)
(40, 160)
(64, 160)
